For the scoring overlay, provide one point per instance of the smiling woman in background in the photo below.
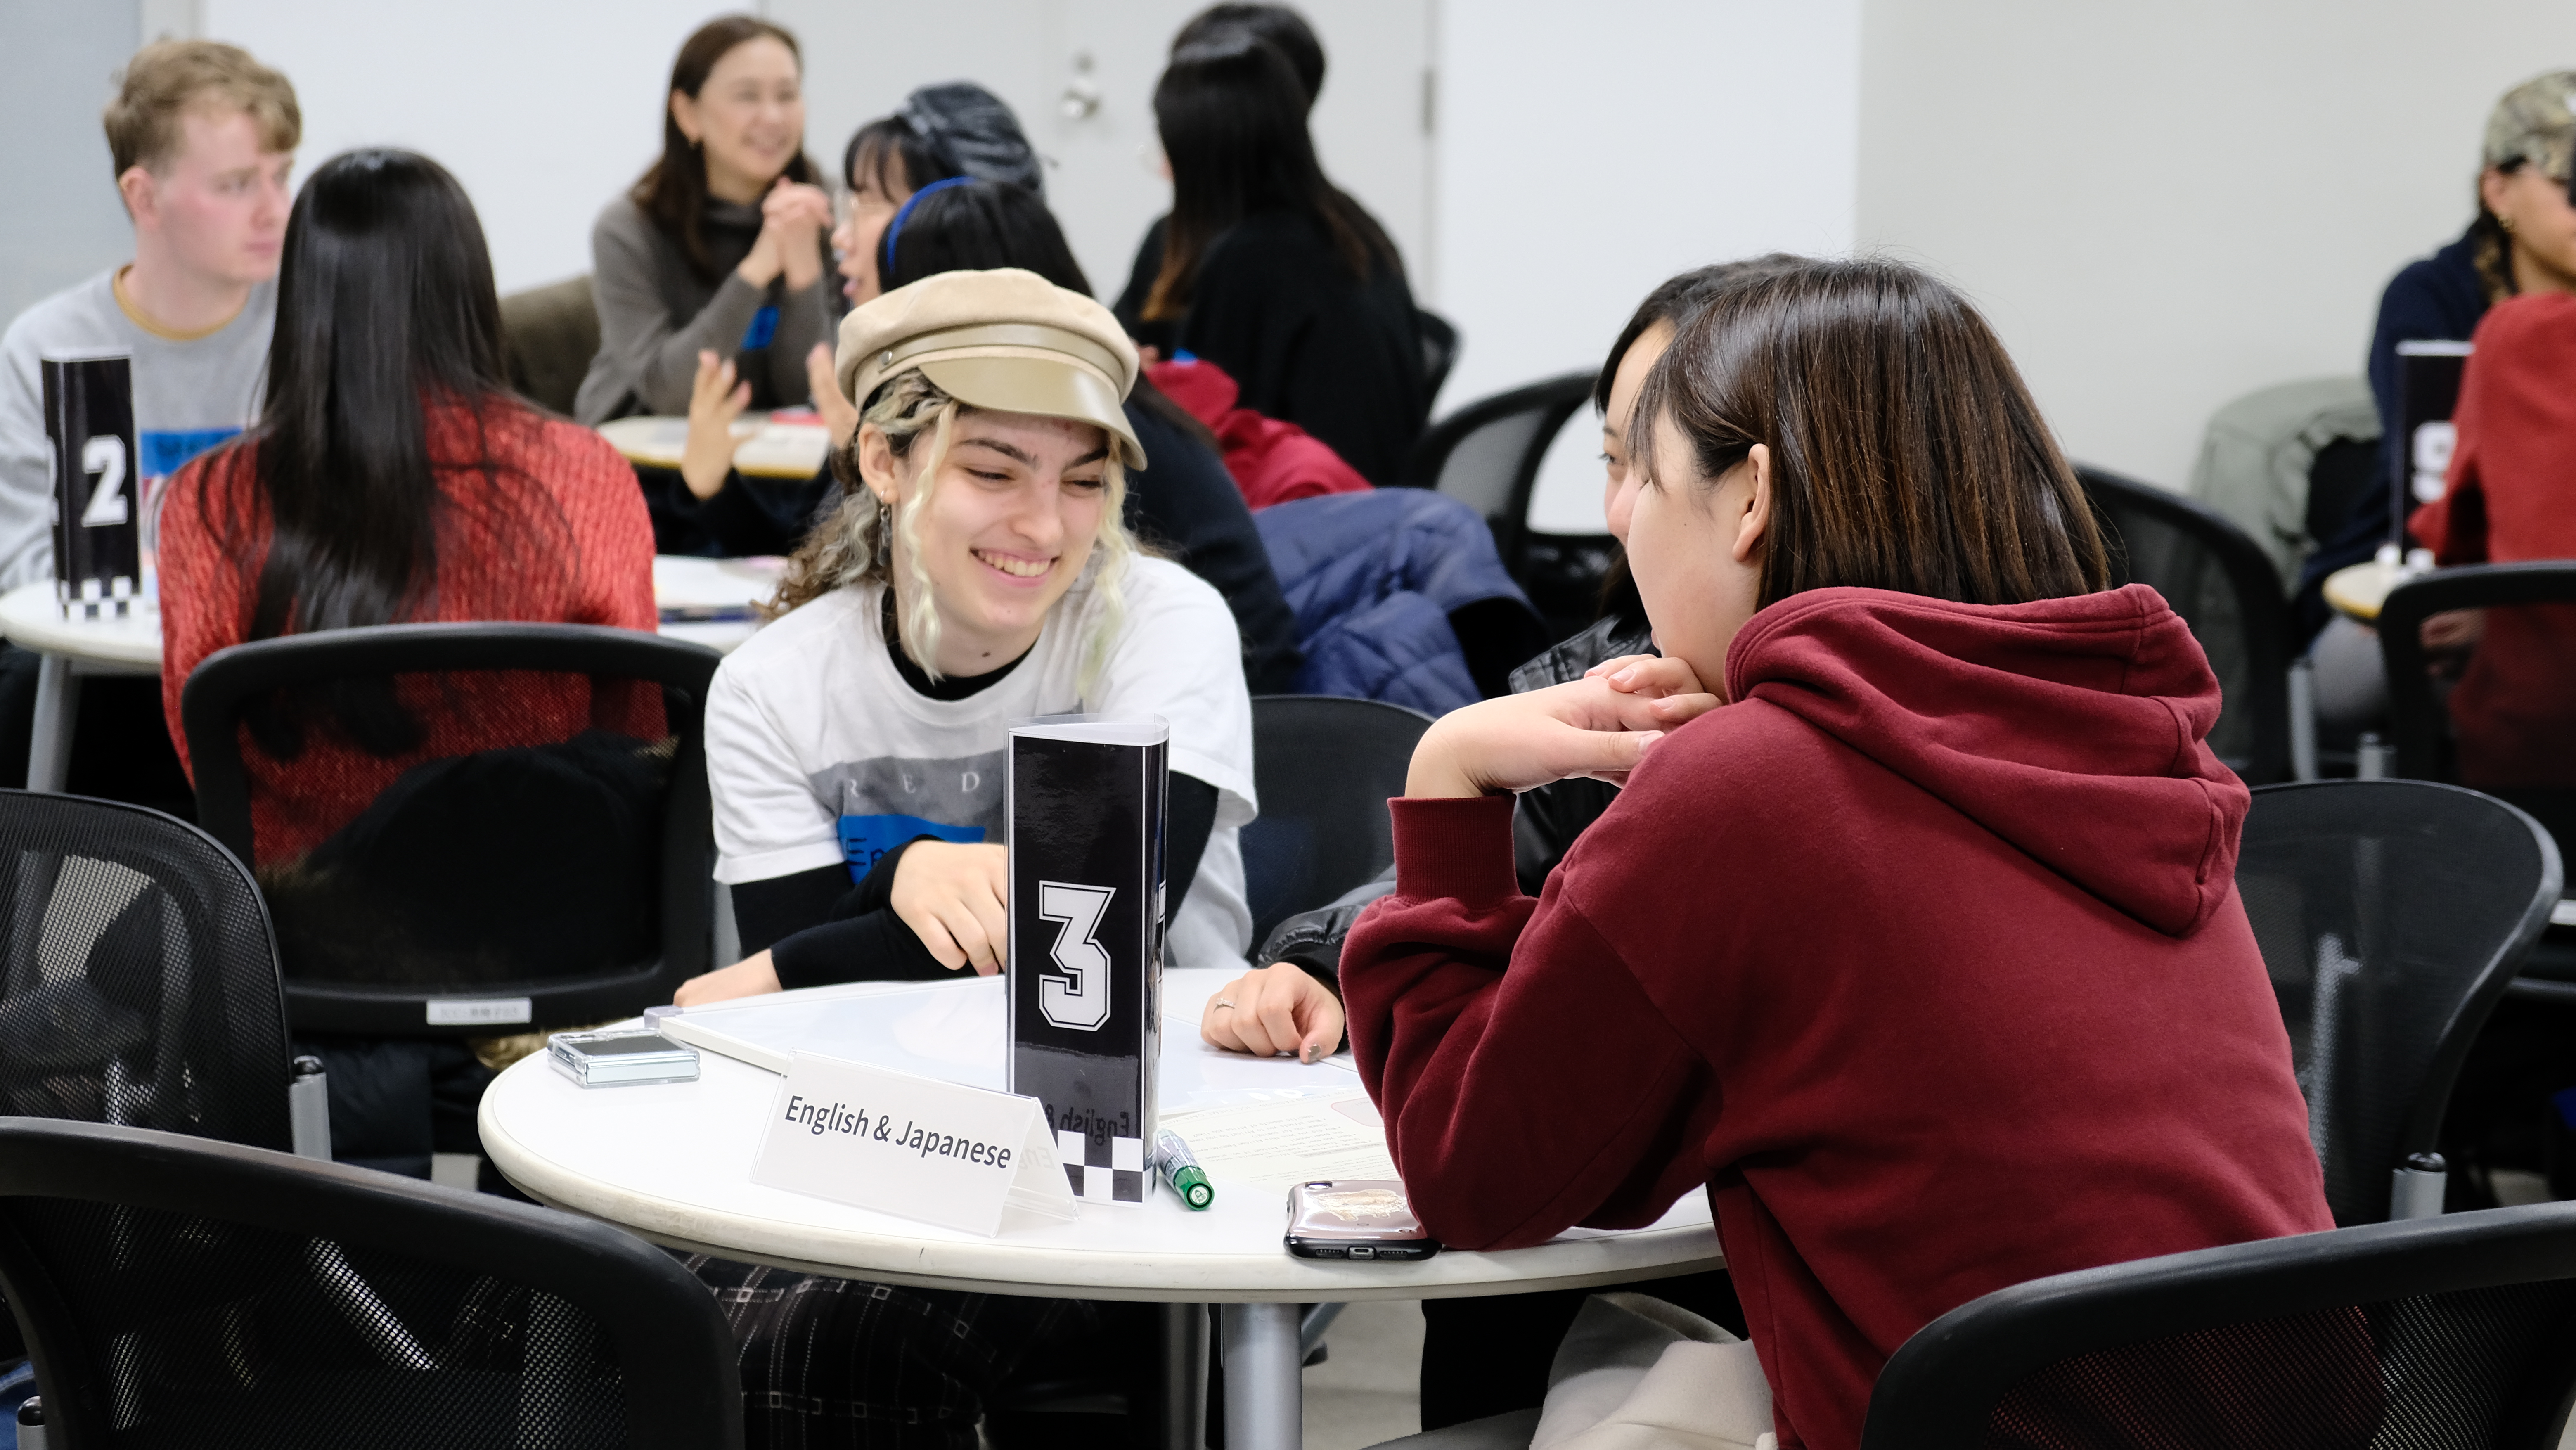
(723, 244)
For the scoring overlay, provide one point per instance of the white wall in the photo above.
(544, 109)
(1585, 154)
(63, 221)
(2162, 207)
(1102, 185)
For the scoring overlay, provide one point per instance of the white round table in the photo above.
(672, 1162)
(704, 600)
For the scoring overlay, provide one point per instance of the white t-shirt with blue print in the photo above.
(818, 753)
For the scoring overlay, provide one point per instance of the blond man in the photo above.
(203, 138)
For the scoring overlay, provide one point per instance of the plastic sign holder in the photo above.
(916, 1147)
(98, 517)
(1085, 801)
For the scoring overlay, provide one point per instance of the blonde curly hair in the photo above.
(847, 549)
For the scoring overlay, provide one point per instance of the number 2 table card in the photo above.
(98, 541)
(935, 1151)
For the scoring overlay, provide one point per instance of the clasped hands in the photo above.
(794, 217)
(1599, 727)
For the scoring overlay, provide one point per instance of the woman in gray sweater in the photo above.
(724, 244)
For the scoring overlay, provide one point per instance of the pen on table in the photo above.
(1180, 1168)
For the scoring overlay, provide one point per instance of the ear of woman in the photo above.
(1697, 547)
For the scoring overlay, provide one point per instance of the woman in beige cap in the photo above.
(975, 572)
(978, 572)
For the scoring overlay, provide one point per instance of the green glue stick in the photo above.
(1181, 1169)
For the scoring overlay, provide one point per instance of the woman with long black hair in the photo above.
(392, 477)
(724, 243)
(1271, 272)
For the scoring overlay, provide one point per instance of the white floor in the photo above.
(1368, 1390)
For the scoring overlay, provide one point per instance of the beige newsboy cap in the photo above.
(1007, 340)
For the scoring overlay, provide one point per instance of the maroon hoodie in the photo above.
(1925, 958)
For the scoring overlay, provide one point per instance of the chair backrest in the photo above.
(140, 982)
(1487, 454)
(178, 1292)
(464, 827)
(1439, 349)
(548, 336)
(2501, 715)
(1324, 767)
(2224, 586)
(2392, 915)
(2437, 1332)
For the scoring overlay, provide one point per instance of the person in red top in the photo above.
(1915, 944)
(2511, 497)
(393, 477)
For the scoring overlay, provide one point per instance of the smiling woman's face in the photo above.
(749, 117)
(1011, 521)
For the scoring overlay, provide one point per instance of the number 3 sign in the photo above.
(1085, 798)
(98, 544)
(1080, 998)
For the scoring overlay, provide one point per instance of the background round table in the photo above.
(2358, 590)
(707, 601)
(764, 447)
(672, 1162)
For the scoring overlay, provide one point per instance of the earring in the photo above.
(885, 534)
(2505, 222)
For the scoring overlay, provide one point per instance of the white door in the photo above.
(1081, 73)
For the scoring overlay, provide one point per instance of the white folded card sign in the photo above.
(914, 1146)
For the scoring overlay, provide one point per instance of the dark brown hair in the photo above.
(2492, 253)
(1233, 124)
(673, 191)
(1906, 454)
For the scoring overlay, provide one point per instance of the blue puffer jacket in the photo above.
(1372, 578)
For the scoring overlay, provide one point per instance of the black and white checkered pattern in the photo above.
(1111, 1173)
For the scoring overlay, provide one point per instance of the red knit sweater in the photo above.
(1925, 959)
(565, 539)
(2512, 496)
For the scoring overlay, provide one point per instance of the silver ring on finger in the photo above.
(1221, 1002)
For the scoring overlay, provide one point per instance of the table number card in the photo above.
(1085, 800)
(98, 539)
(912, 1146)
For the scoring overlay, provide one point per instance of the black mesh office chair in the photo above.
(2498, 715)
(2224, 587)
(177, 1292)
(2391, 915)
(2515, 733)
(2447, 1332)
(1324, 767)
(1487, 455)
(534, 841)
(140, 986)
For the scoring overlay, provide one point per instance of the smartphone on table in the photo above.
(1355, 1218)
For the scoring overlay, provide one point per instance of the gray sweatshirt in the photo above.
(188, 397)
(655, 314)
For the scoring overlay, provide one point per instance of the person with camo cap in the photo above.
(2521, 243)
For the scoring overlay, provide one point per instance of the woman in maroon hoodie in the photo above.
(1915, 943)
